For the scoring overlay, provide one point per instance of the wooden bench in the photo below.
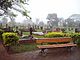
(67, 43)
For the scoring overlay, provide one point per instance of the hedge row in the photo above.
(54, 34)
(75, 36)
(60, 34)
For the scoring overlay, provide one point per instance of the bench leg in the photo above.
(69, 48)
(42, 52)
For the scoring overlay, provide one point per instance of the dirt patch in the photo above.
(52, 54)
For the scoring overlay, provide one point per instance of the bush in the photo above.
(58, 34)
(68, 34)
(1, 32)
(76, 37)
(10, 39)
(54, 34)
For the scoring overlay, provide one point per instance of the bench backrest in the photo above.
(46, 40)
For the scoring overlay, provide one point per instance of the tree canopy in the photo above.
(7, 5)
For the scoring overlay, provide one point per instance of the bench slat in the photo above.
(56, 45)
(46, 40)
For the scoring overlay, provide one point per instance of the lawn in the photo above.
(26, 33)
(37, 36)
(24, 48)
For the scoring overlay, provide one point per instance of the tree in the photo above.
(7, 5)
(53, 20)
(52, 16)
(73, 20)
(70, 22)
(41, 23)
(4, 22)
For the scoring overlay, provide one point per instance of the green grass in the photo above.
(39, 30)
(24, 48)
(37, 36)
(26, 33)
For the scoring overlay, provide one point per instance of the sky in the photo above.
(64, 8)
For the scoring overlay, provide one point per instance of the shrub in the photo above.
(76, 37)
(54, 34)
(68, 34)
(1, 32)
(10, 39)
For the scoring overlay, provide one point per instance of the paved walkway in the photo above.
(53, 54)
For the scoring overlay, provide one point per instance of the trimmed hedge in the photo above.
(1, 32)
(54, 34)
(76, 37)
(68, 34)
(58, 34)
(10, 38)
